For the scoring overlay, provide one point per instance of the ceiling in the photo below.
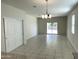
(37, 7)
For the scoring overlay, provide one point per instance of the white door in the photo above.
(13, 33)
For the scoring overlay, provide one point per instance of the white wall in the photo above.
(73, 38)
(30, 25)
(9, 11)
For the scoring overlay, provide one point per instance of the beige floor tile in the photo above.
(46, 47)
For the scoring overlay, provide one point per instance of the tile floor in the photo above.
(46, 47)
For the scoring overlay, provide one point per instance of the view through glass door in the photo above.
(52, 28)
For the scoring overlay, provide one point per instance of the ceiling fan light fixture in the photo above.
(50, 16)
(47, 15)
(43, 17)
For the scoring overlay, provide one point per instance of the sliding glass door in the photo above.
(52, 28)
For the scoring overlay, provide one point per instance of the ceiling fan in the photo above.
(47, 15)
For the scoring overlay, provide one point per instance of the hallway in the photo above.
(46, 47)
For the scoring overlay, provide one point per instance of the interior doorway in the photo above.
(52, 28)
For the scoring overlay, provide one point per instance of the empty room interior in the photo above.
(39, 29)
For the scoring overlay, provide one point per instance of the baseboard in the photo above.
(72, 45)
(15, 48)
(28, 39)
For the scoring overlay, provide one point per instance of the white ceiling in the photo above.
(55, 7)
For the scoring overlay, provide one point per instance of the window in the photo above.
(52, 28)
(73, 24)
